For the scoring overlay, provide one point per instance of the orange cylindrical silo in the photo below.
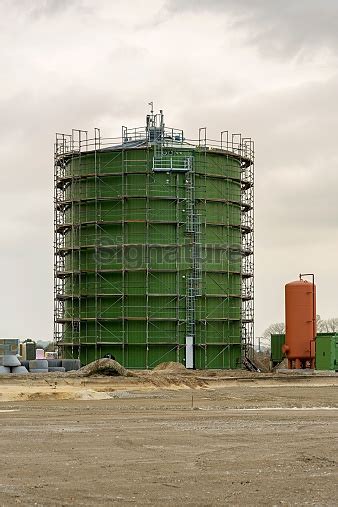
(300, 323)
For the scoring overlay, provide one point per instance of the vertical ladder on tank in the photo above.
(193, 229)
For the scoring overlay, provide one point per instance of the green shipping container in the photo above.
(277, 342)
(327, 351)
(154, 248)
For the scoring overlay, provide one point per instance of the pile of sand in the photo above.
(170, 367)
(107, 367)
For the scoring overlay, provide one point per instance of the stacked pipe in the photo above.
(12, 364)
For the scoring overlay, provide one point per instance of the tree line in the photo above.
(323, 326)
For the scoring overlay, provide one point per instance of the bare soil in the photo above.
(163, 438)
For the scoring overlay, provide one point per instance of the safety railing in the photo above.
(79, 142)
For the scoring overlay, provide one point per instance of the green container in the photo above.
(126, 255)
(277, 342)
(327, 351)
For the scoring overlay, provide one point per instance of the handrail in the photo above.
(67, 145)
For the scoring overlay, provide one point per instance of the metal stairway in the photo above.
(250, 365)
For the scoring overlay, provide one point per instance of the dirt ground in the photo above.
(169, 439)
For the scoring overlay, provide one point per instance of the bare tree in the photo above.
(328, 325)
(276, 328)
(323, 326)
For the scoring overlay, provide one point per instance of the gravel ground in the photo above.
(237, 442)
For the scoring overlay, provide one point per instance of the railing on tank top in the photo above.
(69, 144)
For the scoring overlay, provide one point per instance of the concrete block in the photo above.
(71, 364)
(20, 370)
(40, 364)
(53, 363)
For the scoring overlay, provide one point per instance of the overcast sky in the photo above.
(266, 68)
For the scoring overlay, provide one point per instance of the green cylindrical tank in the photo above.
(152, 249)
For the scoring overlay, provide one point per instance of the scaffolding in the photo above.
(95, 223)
(247, 223)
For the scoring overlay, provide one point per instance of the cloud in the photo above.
(45, 8)
(225, 65)
(279, 29)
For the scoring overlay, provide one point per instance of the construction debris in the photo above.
(108, 367)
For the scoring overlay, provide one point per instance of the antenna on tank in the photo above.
(161, 119)
(155, 125)
(150, 117)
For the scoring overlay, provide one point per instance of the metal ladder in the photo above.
(193, 229)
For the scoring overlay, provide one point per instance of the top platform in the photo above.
(155, 134)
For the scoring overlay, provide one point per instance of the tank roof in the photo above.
(155, 134)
